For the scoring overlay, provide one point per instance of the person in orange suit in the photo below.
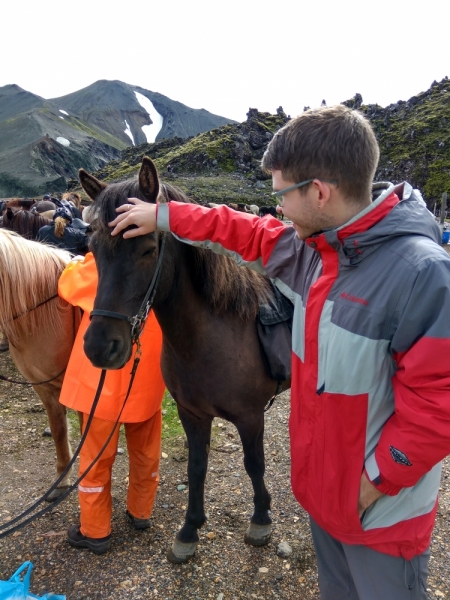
(141, 417)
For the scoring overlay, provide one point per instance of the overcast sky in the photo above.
(229, 56)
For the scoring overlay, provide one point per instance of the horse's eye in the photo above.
(148, 252)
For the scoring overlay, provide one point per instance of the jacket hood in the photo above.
(395, 211)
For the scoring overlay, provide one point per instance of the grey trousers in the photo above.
(358, 573)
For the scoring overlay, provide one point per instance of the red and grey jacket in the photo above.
(371, 373)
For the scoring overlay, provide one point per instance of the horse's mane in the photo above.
(29, 273)
(219, 280)
(24, 222)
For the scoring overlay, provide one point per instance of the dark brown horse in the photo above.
(211, 360)
(23, 203)
(23, 222)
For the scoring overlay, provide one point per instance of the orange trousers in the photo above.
(94, 491)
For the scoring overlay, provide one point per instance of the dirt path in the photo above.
(224, 568)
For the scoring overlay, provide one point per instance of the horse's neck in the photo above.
(178, 306)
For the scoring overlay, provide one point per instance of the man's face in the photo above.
(302, 210)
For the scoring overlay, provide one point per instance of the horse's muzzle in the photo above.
(104, 350)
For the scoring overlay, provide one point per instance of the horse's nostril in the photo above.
(105, 353)
(114, 349)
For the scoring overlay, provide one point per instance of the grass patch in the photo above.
(171, 422)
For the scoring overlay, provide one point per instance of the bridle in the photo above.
(137, 321)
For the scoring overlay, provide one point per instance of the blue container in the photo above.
(445, 237)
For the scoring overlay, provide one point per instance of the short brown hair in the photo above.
(331, 142)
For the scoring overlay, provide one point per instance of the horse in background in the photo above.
(40, 327)
(24, 222)
(240, 207)
(268, 210)
(211, 360)
(23, 203)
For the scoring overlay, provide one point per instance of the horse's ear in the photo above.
(90, 184)
(148, 179)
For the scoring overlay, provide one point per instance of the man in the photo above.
(370, 397)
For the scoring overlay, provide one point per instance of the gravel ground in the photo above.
(224, 568)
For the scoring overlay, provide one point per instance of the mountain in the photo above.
(222, 165)
(414, 138)
(43, 143)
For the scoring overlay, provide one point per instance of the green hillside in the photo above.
(414, 139)
(222, 165)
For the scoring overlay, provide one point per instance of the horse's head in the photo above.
(8, 216)
(125, 267)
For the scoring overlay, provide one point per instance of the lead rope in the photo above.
(11, 380)
(74, 457)
(137, 325)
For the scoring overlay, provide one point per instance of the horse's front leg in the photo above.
(57, 419)
(198, 432)
(252, 437)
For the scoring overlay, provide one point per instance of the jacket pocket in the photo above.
(344, 436)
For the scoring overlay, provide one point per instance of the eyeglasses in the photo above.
(279, 195)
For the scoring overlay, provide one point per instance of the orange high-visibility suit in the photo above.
(141, 415)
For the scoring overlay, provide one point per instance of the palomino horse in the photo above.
(40, 328)
(211, 361)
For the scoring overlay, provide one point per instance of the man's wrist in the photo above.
(383, 485)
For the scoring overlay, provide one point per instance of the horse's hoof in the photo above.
(57, 493)
(258, 535)
(181, 552)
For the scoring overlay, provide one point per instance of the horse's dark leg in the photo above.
(252, 436)
(198, 432)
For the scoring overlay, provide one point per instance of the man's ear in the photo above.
(323, 191)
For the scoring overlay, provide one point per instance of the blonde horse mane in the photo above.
(29, 273)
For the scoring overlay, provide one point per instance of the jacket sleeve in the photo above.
(248, 239)
(417, 436)
(78, 283)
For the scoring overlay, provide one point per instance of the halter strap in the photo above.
(109, 313)
(137, 322)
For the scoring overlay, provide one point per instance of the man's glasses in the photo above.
(279, 195)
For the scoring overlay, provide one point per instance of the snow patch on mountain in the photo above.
(128, 132)
(150, 131)
(63, 141)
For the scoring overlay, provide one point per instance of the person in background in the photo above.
(141, 417)
(61, 234)
(74, 201)
(370, 395)
(43, 206)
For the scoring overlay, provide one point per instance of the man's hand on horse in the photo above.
(139, 213)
